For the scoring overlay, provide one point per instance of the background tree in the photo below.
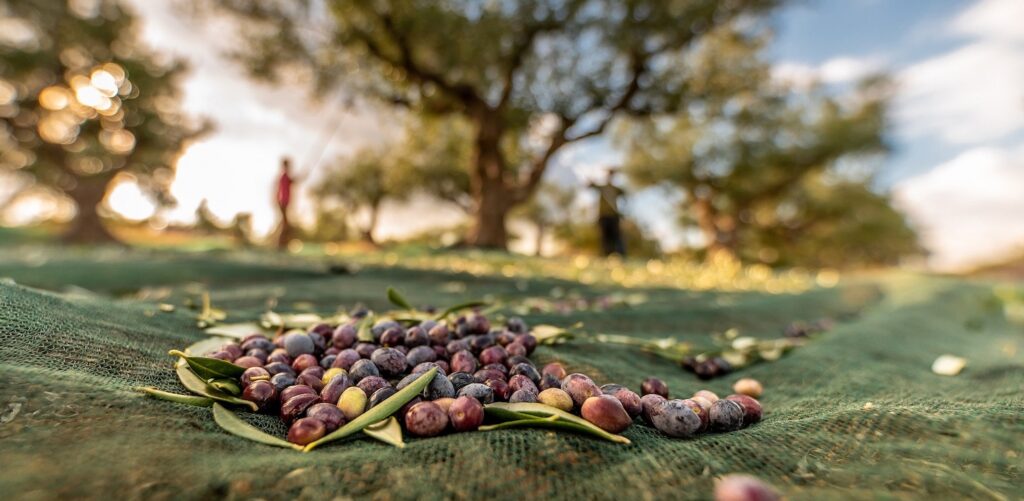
(362, 184)
(84, 101)
(753, 146)
(531, 75)
(550, 206)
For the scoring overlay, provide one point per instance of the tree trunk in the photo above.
(718, 241)
(372, 225)
(87, 227)
(540, 241)
(491, 194)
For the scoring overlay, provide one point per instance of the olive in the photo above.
(279, 355)
(580, 388)
(346, 358)
(344, 336)
(420, 354)
(352, 402)
(606, 412)
(737, 487)
(629, 400)
(524, 395)
(500, 388)
(254, 374)
(726, 415)
(294, 390)
(516, 325)
(521, 382)
(701, 412)
(426, 366)
(514, 360)
(708, 395)
(528, 341)
(319, 343)
(655, 386)
(477, 324)
(378, 328)
(258, 354)
(310, 380)
(370, 384)
(749, 387)
(416, 336)
(751, 408)
(550, 381)
(257, 342)
(426, 419)
(282, 381)
(456, 346)
(557, 398)
(306, 430)
(303, 362)
(516, 349)
(248, 362)
(262, 393)
(332, 391)
(233, 349)
(650, 405)
(392, 337)
(445, 403)
(493, 355)
(555, 369)
(439, 387)
(381, 395)
(466, 414)
(438, 334)
(389, 361)
(483, 393)
(298, 343)
(295, 407)
(315, 371)
(676, 419)
(461, 379)
(463, 361)
(329, 414)
(365, 349)
(525, 370)
(489, 375)
(362, 368)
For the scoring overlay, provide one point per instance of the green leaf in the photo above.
(234, 425)
(236, 331)
(364, 334)
(550, 334)
(398, 300)
(210, 368)
(229, 386)
(459, 307)
(379, 413)
(533, 409)
(176, 397)
(532, 422)
(387, 431)
(192, 382)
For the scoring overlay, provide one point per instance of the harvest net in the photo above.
(854, 414)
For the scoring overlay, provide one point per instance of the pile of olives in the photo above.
(318, 379)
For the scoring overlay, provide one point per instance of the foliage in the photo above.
(530, 76)
(765, 170)
(362, 183)
(82, 101)
(585, 237)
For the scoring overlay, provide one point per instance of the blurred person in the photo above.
(285, 183)
(609, 218)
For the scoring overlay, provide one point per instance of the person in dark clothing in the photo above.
(609, 218)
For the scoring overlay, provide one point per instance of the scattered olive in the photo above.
(426, 419)
(726, 415)
(751, 408)
(676, 419)
(738, 487)
(749, 387)
(606, 412)
(306, 430)
(650, 405)
(466, 413)
(655, 386)
(580, 388)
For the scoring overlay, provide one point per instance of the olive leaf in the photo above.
(365, 334)
(387, 431)
(532, 422)
(229, 386)
(550, 334)
(210, 368)
(236, 331)
(193, 383)
(398, 300)
(574, 423)
(234, 425)
(459, 307)
(176, 397)
(382, 411)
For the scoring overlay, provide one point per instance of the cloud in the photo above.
(969, 209)
(999, 19)
(838, 70)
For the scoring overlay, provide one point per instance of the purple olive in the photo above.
(676, 419)
(389, 361)
(248, 362)
(345, 359)
(329, 414)
(629, 400)
(392, 337)
(254, 374)
(426, 419)
(580, 388)
(655, 386)
(303, 362)
(332, 391)
(726, 415)
(420, 354)
(344, 336)
(650, 406)
(310, 380)
(493, 355)
(371, 384)
(306, 430)
(262, 393)
(751, 408)
(295, 390)
(521, 382)
(555, 369)
(295, 407)
(466, 414)
(606, 412)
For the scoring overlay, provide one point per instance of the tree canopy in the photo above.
(81, 101)
(530, 77)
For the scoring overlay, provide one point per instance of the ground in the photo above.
(855, 414)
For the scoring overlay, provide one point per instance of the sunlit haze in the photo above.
(959, 124)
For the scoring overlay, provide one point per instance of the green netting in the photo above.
(856, 414)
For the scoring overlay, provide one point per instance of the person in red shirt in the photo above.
(284, 198)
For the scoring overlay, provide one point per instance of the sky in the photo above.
(957, 168)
